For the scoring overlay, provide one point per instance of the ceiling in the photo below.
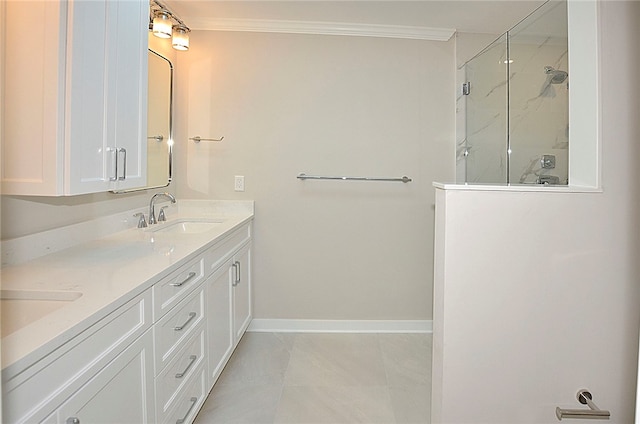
(478, 16)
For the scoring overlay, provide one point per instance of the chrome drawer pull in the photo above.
(191, 275)
(73, 420)
(193, 401)
(191, 362)
(192, 315)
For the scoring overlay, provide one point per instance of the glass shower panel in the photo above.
(539, 97)
(486, 115)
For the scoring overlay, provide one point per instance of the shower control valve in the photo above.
(548, 162)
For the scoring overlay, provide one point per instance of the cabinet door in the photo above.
(86, 149)
(241, 292)
(106, 95)
(220, 337)
(34, 45)
(75, 96)
(127, 91)
(122, 392)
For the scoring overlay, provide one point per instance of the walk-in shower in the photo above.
(515, 105)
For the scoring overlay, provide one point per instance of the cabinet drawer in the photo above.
(216, 256)
(38, 390)
(180, 371)
(171, 289)
(188, 402)
(175, 327)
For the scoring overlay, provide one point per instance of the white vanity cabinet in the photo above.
(120, 393)
(241, 292)
(75, 96)
(195, 338)
(228, 298)
(229, 305)
(153, 359)
(104, 374)
(219, 324)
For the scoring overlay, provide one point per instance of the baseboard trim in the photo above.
(262, 325)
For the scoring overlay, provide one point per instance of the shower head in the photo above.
(555, 76)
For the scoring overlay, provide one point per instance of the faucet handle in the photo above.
(141, 221)
(161, 215)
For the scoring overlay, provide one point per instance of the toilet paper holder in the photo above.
(585, 398)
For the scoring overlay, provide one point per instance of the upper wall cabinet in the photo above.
(75, 97)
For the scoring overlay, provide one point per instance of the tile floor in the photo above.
(304, 378)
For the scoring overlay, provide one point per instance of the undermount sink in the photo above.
(20, 308)
(186, 226)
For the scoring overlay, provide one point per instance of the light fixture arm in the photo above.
(165, 24)
(172, 15)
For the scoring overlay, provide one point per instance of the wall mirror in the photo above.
(159, 122)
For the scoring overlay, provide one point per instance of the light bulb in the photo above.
(180, 37)
(162, 24)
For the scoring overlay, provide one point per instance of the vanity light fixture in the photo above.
(166, 24)
(180, 37)
(162, 24)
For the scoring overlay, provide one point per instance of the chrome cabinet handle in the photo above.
(191, 362)
(115, 164)
(73, 420)
(183, 282)
(238, 278)
(192, 315)
(193, 401)
(235, 273)
(124, 164)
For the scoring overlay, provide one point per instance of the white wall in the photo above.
(329, 105)
(536, 294)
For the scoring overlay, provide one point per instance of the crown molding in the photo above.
(321, 28)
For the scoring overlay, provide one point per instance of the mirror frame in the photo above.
(170, 138)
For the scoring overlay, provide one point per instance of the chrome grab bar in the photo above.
(584, 397)
(403, 179)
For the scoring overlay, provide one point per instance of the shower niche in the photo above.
(514, 105)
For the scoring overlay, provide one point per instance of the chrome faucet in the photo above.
(152, 204)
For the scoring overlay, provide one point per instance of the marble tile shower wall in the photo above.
(537, 113)
(539, 110)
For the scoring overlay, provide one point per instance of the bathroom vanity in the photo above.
(135, 326)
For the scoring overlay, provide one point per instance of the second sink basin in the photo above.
(187, 226)
(22, 307)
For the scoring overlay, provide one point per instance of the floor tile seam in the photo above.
(278, 403)
(385, 367)
(341, 386)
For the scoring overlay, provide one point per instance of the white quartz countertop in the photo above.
(107, 271)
